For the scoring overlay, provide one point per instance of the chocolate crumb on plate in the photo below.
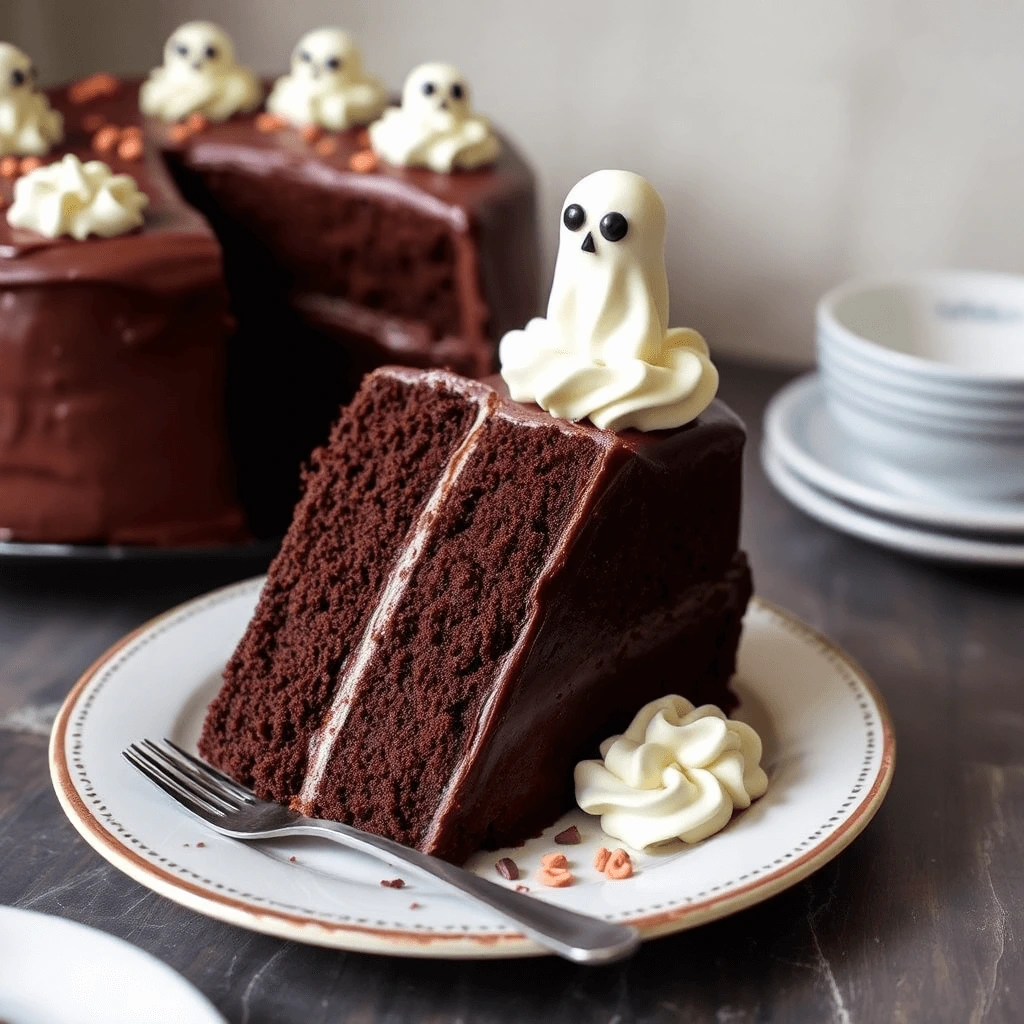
(568, 837)
(522, 888)
(293, 859)
(507, 868)
(415, 906)
(200, 844)
(393, 883)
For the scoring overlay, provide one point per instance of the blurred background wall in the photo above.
(796, 142)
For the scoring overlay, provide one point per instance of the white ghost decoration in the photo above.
(199, 76)
(605, 350)
(435, 126)
(327, 84)
(28, 126)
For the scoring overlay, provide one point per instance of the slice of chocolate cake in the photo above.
(477, 587)
(472, 595)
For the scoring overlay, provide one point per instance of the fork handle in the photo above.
(577, 937)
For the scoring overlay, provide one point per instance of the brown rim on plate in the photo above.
(439, 944)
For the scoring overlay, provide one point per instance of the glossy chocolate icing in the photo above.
(112, 363)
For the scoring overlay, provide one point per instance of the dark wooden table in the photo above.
(922, 919)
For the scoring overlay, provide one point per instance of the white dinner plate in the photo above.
(829, 752)
(802, 434)
(930, 544)
(55, 970)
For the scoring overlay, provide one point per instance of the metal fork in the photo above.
(232, 810)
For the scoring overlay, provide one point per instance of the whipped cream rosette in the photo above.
(76, 199)
(605, 352)
(677, 772)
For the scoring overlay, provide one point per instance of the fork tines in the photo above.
(202, 789)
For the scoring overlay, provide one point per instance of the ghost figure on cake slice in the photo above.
(28, 126)
(435, 127)
(199, 75)
(605, 352)
(327, 84)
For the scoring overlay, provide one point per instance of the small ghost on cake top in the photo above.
(435, 127)
(605, 352)
(199, 75)
(327, 85)
(28, 125)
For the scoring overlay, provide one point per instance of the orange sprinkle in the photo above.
(269, 122)
(93, 122)
(196, 123)
(325, 147)
(601, 858)
(312, 133)
(129, 148)
(554, 860)
(106, 138)
(133, 131)
(619, 865)
(556, 878)
(93, 87)
(9, 167)
(363, 162)
(29, 163)
(178, 132)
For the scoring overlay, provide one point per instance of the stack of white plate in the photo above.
(911, 434)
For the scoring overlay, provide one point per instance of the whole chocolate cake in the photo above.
(133, 409)
(476, 590)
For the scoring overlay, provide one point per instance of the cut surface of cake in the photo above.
(472, 595)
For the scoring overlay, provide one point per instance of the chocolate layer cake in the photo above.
(112, 352)
(333, 272)
(471, 596)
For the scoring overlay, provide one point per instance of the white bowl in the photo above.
(945, 327)
(927, 373)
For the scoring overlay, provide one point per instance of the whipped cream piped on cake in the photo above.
(28, 125)
(76, 199)
(327, 84)
(199, 75)
(435, 127)
(605, 352)
(678, 772)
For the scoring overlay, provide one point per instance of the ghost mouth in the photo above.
(588, 243)
(197, 65)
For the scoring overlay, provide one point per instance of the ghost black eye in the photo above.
(306, 56)
(457, 91)
(614, 226)
(333, 63)
(574, 217)
(427, 88)
(181, 49)
(17, 77)
(211, 52)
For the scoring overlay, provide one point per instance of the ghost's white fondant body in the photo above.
(605, 350)
(28, 125)
(435, 126)
(199, 75)
(327, 84)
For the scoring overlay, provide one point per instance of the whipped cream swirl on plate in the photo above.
(605, 352)
(678, 772)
